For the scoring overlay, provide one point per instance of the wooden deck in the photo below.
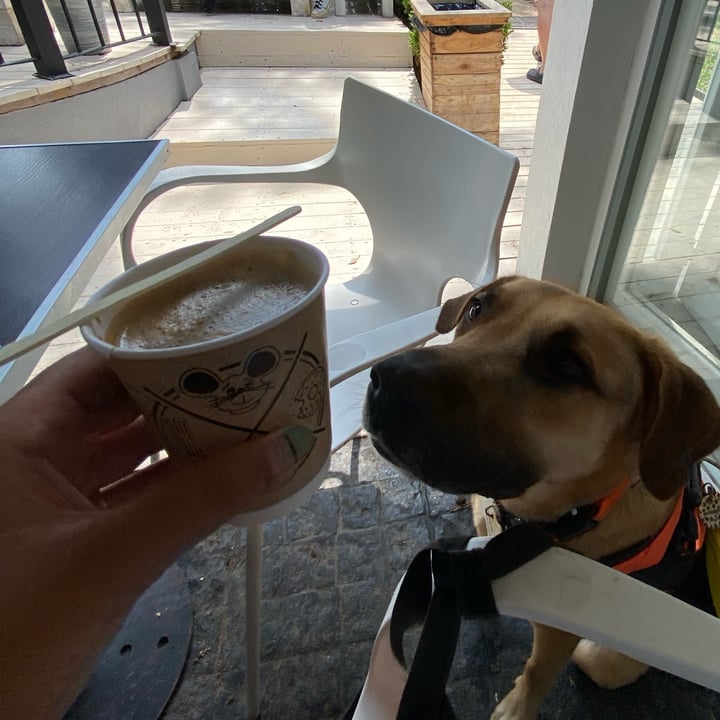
(220, 117)
(266, 116)
(231, 39)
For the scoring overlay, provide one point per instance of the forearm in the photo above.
(55, 622)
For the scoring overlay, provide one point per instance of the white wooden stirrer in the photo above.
(13, 350)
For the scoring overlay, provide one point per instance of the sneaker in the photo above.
(322, 8)
(535, 75)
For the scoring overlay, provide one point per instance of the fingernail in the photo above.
(300, 438)
(293, 443)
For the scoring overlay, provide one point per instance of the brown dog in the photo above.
(548, 402)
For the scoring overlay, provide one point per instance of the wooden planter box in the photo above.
(460, 60)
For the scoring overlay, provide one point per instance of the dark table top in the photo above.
(61, 207)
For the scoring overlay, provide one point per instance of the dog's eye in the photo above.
(475, 309)
(572, 368)
(556, 361)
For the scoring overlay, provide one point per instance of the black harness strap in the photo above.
(443, 584)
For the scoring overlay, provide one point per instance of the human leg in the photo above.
(544, 11)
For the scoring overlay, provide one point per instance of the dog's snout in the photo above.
(397, 383)
(382, 373)
(375, 378)
(424, 414)
(389, 390)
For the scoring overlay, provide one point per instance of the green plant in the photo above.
(414, 36)
(414, 41)
(711, 58)
(506, 28)
(708, 65)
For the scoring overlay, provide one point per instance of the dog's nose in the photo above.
(393, 377)
(385, 390)
(398, 386)
(387, 396)
(375, 375)
(382, 373)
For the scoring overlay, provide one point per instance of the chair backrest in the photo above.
(435, 194)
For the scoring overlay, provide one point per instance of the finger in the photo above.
(65, 410)
(114, 456)
(76, 395)
(164, 510)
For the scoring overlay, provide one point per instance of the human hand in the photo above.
(75, 554)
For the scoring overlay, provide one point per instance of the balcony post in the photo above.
(39, 38)
(157, 21)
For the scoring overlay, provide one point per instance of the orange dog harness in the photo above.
(657, 560)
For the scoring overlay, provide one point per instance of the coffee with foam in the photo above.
(212, 303)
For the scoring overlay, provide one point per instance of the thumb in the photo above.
(163, 510)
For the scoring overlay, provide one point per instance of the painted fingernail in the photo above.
(293, 443)
(301, 440)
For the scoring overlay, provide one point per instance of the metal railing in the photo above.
(85, 29)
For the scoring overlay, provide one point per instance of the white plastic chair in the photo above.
(435, 196)
(571, 592)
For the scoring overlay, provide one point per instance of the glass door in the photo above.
(663, 270)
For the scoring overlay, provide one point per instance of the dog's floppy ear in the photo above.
(680, 421)
(452, 311)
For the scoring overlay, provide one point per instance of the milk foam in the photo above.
(209, 308)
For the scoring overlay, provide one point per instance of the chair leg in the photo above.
(253, 592)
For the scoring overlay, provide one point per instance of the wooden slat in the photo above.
(466, 63)
(466, 84)
(425, 52)
(476, 122)
(461, 41)
(493, 137)
(486, 104)
(249, 152)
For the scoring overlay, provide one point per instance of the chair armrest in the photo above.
(318, 170)
(582, 596)
(354, 354)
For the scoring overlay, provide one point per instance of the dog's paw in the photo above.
(516, 705)
(605, 667)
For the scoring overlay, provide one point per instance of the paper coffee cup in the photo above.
(204, 395)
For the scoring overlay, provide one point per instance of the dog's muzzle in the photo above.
(423, 416)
